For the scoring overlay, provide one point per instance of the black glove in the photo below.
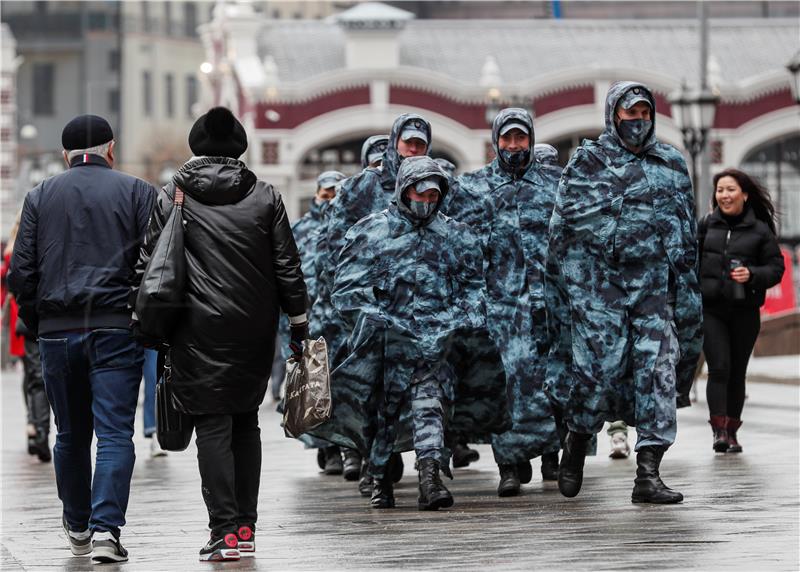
(298, 333)
(682, 400)
(145, 340)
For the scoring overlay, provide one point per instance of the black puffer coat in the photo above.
(752, 242)
(242, 269)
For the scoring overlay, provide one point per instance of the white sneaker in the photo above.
(155, 448)
(107, 548)
(619, 446)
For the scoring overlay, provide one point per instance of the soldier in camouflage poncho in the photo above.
(407, 280)
(365, 193)
(521, 193)
(623, 289)
(368, 192)
(372, 151)
(305, 230)
(545, 154)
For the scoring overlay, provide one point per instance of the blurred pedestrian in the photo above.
(150, 377)
(739, 260)
(33, 391)
(243, 269)
(71, 273)
(623, 251)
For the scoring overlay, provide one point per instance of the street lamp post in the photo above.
(693, 113)
(794, 68)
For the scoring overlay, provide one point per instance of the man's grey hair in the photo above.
(101, 150)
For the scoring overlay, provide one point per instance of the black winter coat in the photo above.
(750, 241)
(242, 270)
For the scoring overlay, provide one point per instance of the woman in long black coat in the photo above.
(242, 270)
(739, 260)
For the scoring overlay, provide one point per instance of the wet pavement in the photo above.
(741, 511)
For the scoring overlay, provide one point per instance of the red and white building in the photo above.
(311, 91)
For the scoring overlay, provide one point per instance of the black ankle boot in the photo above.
(550, 466)
(649, 487)
(352, 465)
(524, 472)
(321, 459)
(509, 481)
(382, 494)
(570, 471)
(395, 467)
(433, 495)
(719, 425)
(333, 461)
(463, 456)
(366, 483)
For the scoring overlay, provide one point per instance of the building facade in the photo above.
(134, 63)
(311, 91)
(8, 130)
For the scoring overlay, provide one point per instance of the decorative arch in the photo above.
(563, 123)
(760, 131)
(343, 124)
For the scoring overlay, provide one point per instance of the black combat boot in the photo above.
(719, 426)
(333, 461)
(382, 493)
(366, 483)
(509, 481)
(433, 495)
(321, 458)
(649, 487)
(352, 465)
(570, 471)
(524, 472)
(550, 466)
(463, 456)
(395, 467)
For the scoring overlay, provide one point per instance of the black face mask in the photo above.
(634, 132)
(517, 159)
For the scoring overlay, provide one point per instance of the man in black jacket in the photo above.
(71, 273)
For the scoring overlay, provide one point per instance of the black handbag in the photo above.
(161, 293)
(174, 428)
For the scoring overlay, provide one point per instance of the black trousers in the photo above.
(36, 404)
(229, 456)
(730, 334)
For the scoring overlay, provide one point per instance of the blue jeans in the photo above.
(92, 381)
(150, 380)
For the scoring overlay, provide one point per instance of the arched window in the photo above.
(777, 165)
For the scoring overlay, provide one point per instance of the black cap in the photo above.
(218, 134)
(86, 131)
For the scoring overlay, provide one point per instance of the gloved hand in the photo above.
(144, 340)
(297, 334)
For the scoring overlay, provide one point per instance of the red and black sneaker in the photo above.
(219, 549)
(247, 539)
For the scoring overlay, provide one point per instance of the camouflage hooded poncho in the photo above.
(622, 256)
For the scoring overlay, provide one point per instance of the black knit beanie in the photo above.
(218, 134)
